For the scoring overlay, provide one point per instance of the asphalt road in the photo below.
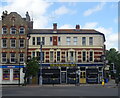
(60, 91)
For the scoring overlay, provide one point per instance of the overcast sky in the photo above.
(102, 16)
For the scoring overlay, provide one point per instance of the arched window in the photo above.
(4, 30)
(12, 30)
(22, 30)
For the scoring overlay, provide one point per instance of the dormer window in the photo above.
(22, 30)
(12, 30)
(4, 30)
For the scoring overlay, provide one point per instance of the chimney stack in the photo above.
(54, 26)
(77, 27)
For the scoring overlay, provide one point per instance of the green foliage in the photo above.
(113, 56)
(32, 67)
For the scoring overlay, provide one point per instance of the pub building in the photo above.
(69, 56)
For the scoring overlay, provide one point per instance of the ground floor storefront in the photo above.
(11, 74)
(70, 74)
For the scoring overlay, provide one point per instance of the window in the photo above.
(90, 40)
(13, 43)
(43, 40)
(12, 58)
(33, 54)
(84, 56)
(75, 40)
(83, 40)
(39, 54)
(38, 40)
(4, 30)
(16, 73)
(21, 59)
(4, 57)
(51, 40)
(12, 30)
(21, 30)
(58, 56)
(51, 56)
(59, 40)
(4, 43)
(33, 40)
(91, 55)
(71, 56)
(68, 40)
(21, 43)
(6, 74)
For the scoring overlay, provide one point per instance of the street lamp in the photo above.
(40, 78)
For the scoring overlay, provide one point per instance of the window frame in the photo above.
(84, 41)
(12, 30)
(3, 43)
(20, 30)
(75, 40)
(68, 40)
(12, 58)
(21, 57)
(33, 40)
(12, 43)
(2, 57)
(4, 30)
(90, 41)
(22, 43)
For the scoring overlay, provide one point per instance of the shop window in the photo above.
(16, 73)
(4, 30)
(22, 30)
(4, 43)
(12, 30)
(6, 74)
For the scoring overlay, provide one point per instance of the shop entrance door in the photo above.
(82, 77)
(63, 77)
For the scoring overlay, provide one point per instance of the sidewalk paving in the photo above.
(110, 84)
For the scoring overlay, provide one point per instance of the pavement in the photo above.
(110, 84)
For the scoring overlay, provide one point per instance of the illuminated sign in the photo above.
(64, 65)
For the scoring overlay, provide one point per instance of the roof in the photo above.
(67, 31)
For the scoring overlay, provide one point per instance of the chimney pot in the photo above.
(77, 27)
(54, 26)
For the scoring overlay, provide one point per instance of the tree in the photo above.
(113, 56)
(32, 68)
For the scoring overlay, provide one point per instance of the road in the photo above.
(60, 91)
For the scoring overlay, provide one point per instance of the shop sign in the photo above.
(64, 65)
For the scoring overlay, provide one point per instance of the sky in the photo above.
(100, 15)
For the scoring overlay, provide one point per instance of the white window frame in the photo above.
(12, 43)
(75, 39)
(11, 30)
(4, 58)
(51, 41)
(51, 56)
(38, 40)
(85, 56)
(57, 56)
(68, 40)
(3, 43)
(33, 41)
(90, 41)
(83, 41)
(3, 31)
(22, 29)
(22, 43)
(13, 58)
(21, 57)
(59, 40)
(92, 56)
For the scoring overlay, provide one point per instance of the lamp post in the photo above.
(40, 78)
